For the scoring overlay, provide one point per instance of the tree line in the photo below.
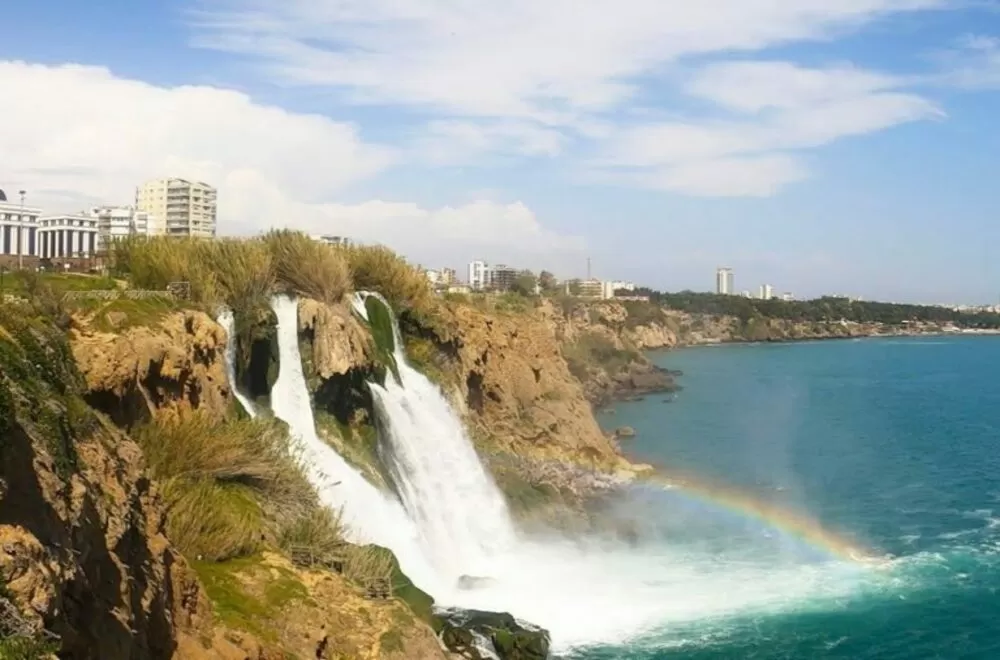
(825, 309)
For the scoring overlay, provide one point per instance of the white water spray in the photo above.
(227, 322)
(370, 515)
(582, 592)
(461, 514)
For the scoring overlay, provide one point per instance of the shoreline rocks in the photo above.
(479, 635)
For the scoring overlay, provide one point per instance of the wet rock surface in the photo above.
(478, 635)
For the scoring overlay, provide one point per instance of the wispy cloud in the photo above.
(974, 63)
(777, 110)
(544, 79)
(549, 61)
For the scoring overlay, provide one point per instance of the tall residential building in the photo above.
(117, 222)
(18, 232)
(766, 292)
(724, 281)
(181, 207)
(502, 277)
(479, 275)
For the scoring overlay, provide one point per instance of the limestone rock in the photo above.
(162, 371)
(519, 390)
(82, 548)
(339, 340)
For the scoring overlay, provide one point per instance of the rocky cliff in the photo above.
(176, 367)
(83, 557)
(155, 371)
(646, 326)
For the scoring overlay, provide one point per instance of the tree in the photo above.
(547, 281)
(524, 283)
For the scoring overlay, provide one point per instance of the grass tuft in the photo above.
(377, 268)
(307, 267)
(231, 487)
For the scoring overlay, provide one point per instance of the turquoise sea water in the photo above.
(891, 443)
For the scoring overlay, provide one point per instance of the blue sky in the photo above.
(847, 147)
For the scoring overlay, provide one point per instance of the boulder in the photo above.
(625, 432)
(478, 635)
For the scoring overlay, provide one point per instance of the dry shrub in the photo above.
(231, 486)
(213, 521)
(321, 530)
(377, 268)
(367, 562)
(154, 262)
(307, 267)
(244, 270)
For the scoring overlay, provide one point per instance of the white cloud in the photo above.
(73, 136)
(973, 64)
(549, 60)
(531, 78)
(780, 109)
(752, 86)
(481, 229)
(753, 176)
(458, 141)
(82, 129)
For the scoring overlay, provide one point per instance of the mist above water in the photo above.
(449, 520)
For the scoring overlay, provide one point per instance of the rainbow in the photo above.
(792, 523)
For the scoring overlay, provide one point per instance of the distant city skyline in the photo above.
(818, 147)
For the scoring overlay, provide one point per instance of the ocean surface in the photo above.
(889, 445)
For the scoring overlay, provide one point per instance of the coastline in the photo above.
(823, 338)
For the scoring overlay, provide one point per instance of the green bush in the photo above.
(231, 487)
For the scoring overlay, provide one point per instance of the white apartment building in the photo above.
(336, 241)
(67, 236)
(18, 230)
(117, 222)
(620, 285)
(180, 207)
(479, 275)
(766, 292)
(724, 281)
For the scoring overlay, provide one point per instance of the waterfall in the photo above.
(370, 515)
(461, 515)
(227, 322)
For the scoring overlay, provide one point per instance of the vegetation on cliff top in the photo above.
(40, 387)
(231, 487)
(823, 309)
(243, 273)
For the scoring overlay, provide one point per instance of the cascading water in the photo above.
(583, 592)
(370, 515)
(462, 516)
(227, 322)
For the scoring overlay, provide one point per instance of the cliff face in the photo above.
(517, 386)
(159, 371)
(604, 343)
(82, 549)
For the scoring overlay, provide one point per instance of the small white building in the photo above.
(18, 229)
(68, 236)
(336, 241)
(117, 222)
